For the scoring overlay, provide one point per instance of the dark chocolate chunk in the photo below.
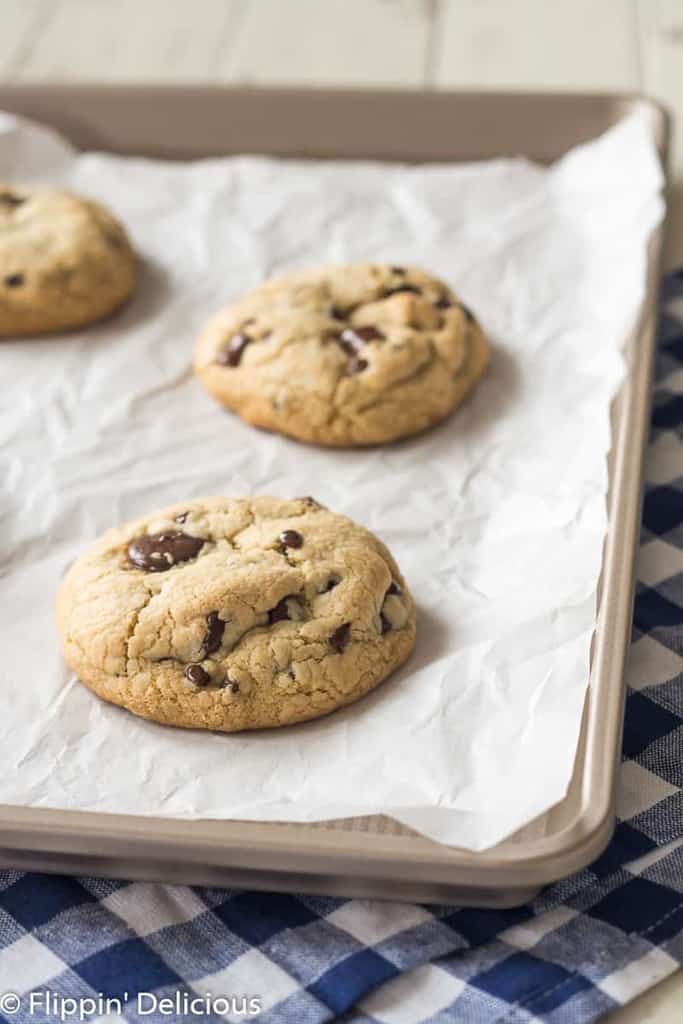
(353, 339)
(394, 589)
(11, 199)
(14, 280)
(232, 355)
(341, 637)
(215, 627)
(444, 302)
(290, 539)
(197, 675)
(403, 288)
(157, 552)
(280, 612)
(356, 365)
(386, 625)
(337, 313)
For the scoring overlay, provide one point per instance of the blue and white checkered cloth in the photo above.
(585, 946)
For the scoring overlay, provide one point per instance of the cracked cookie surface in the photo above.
(233, 614)
(65, 261)
(346, 355)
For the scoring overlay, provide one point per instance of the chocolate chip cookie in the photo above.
(233, 614)
(64, 261)
(344, 355)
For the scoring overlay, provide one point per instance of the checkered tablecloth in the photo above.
(582, 948)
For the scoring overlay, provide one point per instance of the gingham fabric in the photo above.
(86, 949)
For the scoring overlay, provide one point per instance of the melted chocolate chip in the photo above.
(232, 355)
(11, 199)
(341, 637)
(385, 624)
(337, 313)
(14, 280)
(394, 589)
(353, 338)
(444, 302)
(280, 612)
(403, 288)
(290, 539)
(157, 552)
(197, 675)
(215, 627)
(356, 365)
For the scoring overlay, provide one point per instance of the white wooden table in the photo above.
(577, 45)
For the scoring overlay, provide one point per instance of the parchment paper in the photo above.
(497, 518)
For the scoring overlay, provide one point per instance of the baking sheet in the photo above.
(497, 518)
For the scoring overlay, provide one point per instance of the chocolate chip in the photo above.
(232, 355)
(157, 552)
(232, 686)
(329, 584)
(337, 313)
(197, 675)
(398, 270)
(14, 280)
(280, 612)
(181, 517)
(356, 365)
(385, 624)
(403, 288)
(444, 302)
(394, 589)
(353, 338)
(290, 539)
(341, 637)
(11, 199)
(214, 634)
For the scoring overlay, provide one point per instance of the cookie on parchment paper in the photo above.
(357, 354)
(65, 261)
(233, 614)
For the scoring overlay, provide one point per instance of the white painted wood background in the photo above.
(576, 45)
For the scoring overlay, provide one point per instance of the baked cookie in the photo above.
(64, 261)
(234, 614)
(343, 355)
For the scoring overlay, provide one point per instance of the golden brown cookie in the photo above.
(344, 355)
(64, 261)
(233, 614)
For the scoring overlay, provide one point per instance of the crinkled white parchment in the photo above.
(497, 517)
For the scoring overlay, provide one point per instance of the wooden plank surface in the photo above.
(661, 40)
(128, 41)
(333, 42)
(535, 44)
